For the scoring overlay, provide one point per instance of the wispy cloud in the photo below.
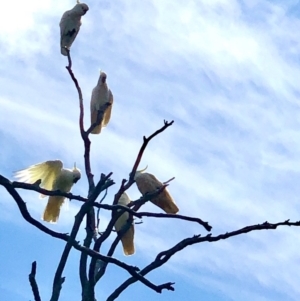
(226, 72)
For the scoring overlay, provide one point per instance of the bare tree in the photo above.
(93, 262)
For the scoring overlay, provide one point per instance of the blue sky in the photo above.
(227, 72)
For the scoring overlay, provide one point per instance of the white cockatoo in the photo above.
(127, 238)
(53, 177)
(101, 95)
(70, 25)
(148, 183)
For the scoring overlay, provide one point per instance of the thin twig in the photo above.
(98, 210)
(175, 216)
(169, 180)
(130, 181)
(33, 283)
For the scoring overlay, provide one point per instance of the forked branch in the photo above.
(164, 256)
(146, 140)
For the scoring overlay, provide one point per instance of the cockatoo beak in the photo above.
(76, 180)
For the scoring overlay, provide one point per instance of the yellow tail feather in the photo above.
(127, 242)
(52, 210)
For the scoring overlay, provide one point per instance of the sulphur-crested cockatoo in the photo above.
(70, 24)
(148, 183)
(53, 177)
(101, 95)
(127, 238)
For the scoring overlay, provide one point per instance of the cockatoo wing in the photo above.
(148, 183)
(69, 28)
(107, 113)
(94, 110)
(63, 182)
(47, 172)
(128, 236)
(100, 96)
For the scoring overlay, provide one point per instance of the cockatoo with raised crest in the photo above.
(148, 183)
(101, 95)
(53, 177)
(127, 238)
(70, 25)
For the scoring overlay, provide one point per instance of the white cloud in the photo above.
(225, 71)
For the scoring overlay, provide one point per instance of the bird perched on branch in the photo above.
(53, 177)
(148, 183)
(70, 25)
(127, 238)
(100, 96)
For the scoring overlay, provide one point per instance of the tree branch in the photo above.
(33, 283)
(101, 239)
(84, 136)
(58, 280)
(90, 221)
(36, 188)
(23, 209)
(117, 211)
(65, 237)
(164, 256)
(175, 216)
(146, 140)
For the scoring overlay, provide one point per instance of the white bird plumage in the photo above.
(148, 183)
(101, 94)
(128, 237)
(70, 25)
(53, 177)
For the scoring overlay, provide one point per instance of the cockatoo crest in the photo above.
(138, 172)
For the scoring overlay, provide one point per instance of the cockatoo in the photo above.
(101, 95)
(53, 177)
(70, 24)
(148, 183)
(127, 238)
